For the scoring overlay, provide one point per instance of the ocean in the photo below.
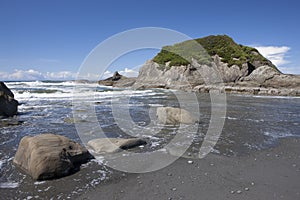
(252, 123)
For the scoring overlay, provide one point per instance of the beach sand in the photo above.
(273, 173)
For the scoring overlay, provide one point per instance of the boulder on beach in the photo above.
(8, 105)
(49, 156)
(170, 115)
(112, 145)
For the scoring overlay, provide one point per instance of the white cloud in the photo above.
(21, 75)
(18, 75)
(63, 75)
(126, 72)
(277, 54)
(129, 72)
(31, 74)
(290, 70)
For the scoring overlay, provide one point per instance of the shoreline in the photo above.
(272, 173)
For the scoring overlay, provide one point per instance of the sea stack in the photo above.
(8, 105)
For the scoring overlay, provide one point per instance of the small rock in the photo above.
(189, 154)
(239, 192)
(294, 165)
(169, 174)
(252, 183)
(211, 164)
(190, 162)
(246, 189)
(232, 191)
(170, 115)
(174, 189)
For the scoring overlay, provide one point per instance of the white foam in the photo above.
(1, 163)
(277, 135)
(39, 182)
(276, 97)
(9, 185)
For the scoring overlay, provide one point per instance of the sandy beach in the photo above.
(269, 174)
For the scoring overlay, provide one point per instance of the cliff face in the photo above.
(226, 66)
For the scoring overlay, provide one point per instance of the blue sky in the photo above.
(48, 39)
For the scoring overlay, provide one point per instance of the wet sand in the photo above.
(268, 174)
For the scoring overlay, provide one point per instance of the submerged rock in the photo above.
(8, 105)
(9, 122)
(170, 115)
(49, 156)
(111, 145)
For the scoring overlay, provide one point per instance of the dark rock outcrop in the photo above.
(117, 80)
(8, 105)
(49, 156)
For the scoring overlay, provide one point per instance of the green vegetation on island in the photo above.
(221, 45)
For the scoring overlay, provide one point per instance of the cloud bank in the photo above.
(279, 57)
(275, 53)
(29, 75)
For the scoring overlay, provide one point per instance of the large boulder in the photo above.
(170, 115)
(112, 145)
(49, 156)
(8, 105)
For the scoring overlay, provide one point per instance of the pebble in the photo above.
(252, 183)
(170, 198)
(232, 191)
(239, 192)
(246, 189)
(189, 154)
(169, 174)
(211, 164)
(190, 162)
(174, 189)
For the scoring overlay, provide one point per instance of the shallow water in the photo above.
(252, 123)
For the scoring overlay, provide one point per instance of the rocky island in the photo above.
(220, 63)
